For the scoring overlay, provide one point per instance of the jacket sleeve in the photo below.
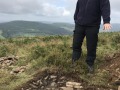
(105, 10)
(76, 10)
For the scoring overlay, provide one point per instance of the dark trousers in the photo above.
(91, 33)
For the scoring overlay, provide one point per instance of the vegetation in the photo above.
(30, 28)
(53, 51)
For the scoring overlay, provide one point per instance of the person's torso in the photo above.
(89, 10)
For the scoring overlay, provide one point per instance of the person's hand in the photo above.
(107, 26)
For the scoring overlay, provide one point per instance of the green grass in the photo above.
(53, 51)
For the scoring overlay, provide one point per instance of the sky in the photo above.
(46, 10)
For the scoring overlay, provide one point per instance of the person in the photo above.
(87, 18)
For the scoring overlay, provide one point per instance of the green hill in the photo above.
(30, 28)
(66, 26)
(70, 27)
(27, 63)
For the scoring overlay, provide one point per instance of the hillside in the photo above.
(43, 63)
(70, 27)
(66, 26)
(29, 28)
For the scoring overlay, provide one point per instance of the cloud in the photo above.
(18, 6)
(47, 9)
(35, 7)
(115, 5)
(53, 11)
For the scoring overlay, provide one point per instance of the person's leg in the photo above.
(91, 40)
(78, 36)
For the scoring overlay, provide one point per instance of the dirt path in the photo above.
(56, 79)
(47, 80)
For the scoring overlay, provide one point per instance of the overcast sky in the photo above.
(46, 10)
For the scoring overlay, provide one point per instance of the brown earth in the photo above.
(112, 65)
(54, 79)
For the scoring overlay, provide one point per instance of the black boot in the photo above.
(73, 64)
(91, 69)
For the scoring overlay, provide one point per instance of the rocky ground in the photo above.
(56, 79)
(112, 65)
(9, 61)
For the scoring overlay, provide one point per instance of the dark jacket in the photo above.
(89, 12)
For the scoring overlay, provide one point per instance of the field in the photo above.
(25, 59)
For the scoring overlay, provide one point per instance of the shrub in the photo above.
(37, 52)
(116, 39)
(3, 51)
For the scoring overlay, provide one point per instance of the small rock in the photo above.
(69, 86)
(53, 77)
(62, 78)
(3, 65)
(73, 83)
(1, 59)
(119, 88)
(42, 87)
(66, 88)
(34, 83)
(48, 88)
(77, 84)
(10, 63)
(28, 89)
(53, 84)
(19, 69)
(111, 65)
(80, 87)
(39, 82)
(117, 69)
(61, 82)
(22, 70)
(33, 86)
(46, 77)
(11, 72)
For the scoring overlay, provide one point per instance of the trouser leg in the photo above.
(91, 40)
(78, 36)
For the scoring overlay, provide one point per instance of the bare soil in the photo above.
(56, 78)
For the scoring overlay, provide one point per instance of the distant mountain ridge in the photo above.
(33, 28)
(68, 26)
(30, 28)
